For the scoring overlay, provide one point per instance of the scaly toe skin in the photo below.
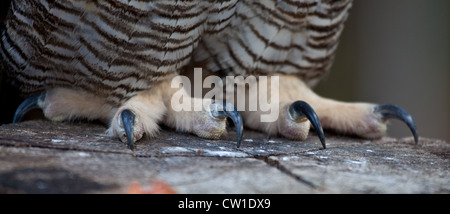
(211, 122)
(371, 121)
(206, 126)
(295, 130)
(223, 110)
(371, 127)
(296, 121)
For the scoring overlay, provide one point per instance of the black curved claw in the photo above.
(32, 102)
(300, 109)
(388, 111)
(228, 110)
(128, 124)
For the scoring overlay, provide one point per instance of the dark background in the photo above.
(397, 52)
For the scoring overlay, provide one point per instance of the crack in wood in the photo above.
(276, 164)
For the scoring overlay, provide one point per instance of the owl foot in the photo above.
(141, 114)
(138, 116)
(128, 127)
(224, 110)
(300, 111)
(209, 122)
(294, 121)
(62, 104)
(361, 119)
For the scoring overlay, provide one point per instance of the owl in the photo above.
(127, 63)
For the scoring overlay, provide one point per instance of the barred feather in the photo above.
(117, 48)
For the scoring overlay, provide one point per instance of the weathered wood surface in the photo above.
(46, 157)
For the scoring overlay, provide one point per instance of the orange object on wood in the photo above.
(157, 187)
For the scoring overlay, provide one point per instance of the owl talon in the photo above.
(128, 118)
(388, 111)
(228, 110)
(32, 102)
(300, 110)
